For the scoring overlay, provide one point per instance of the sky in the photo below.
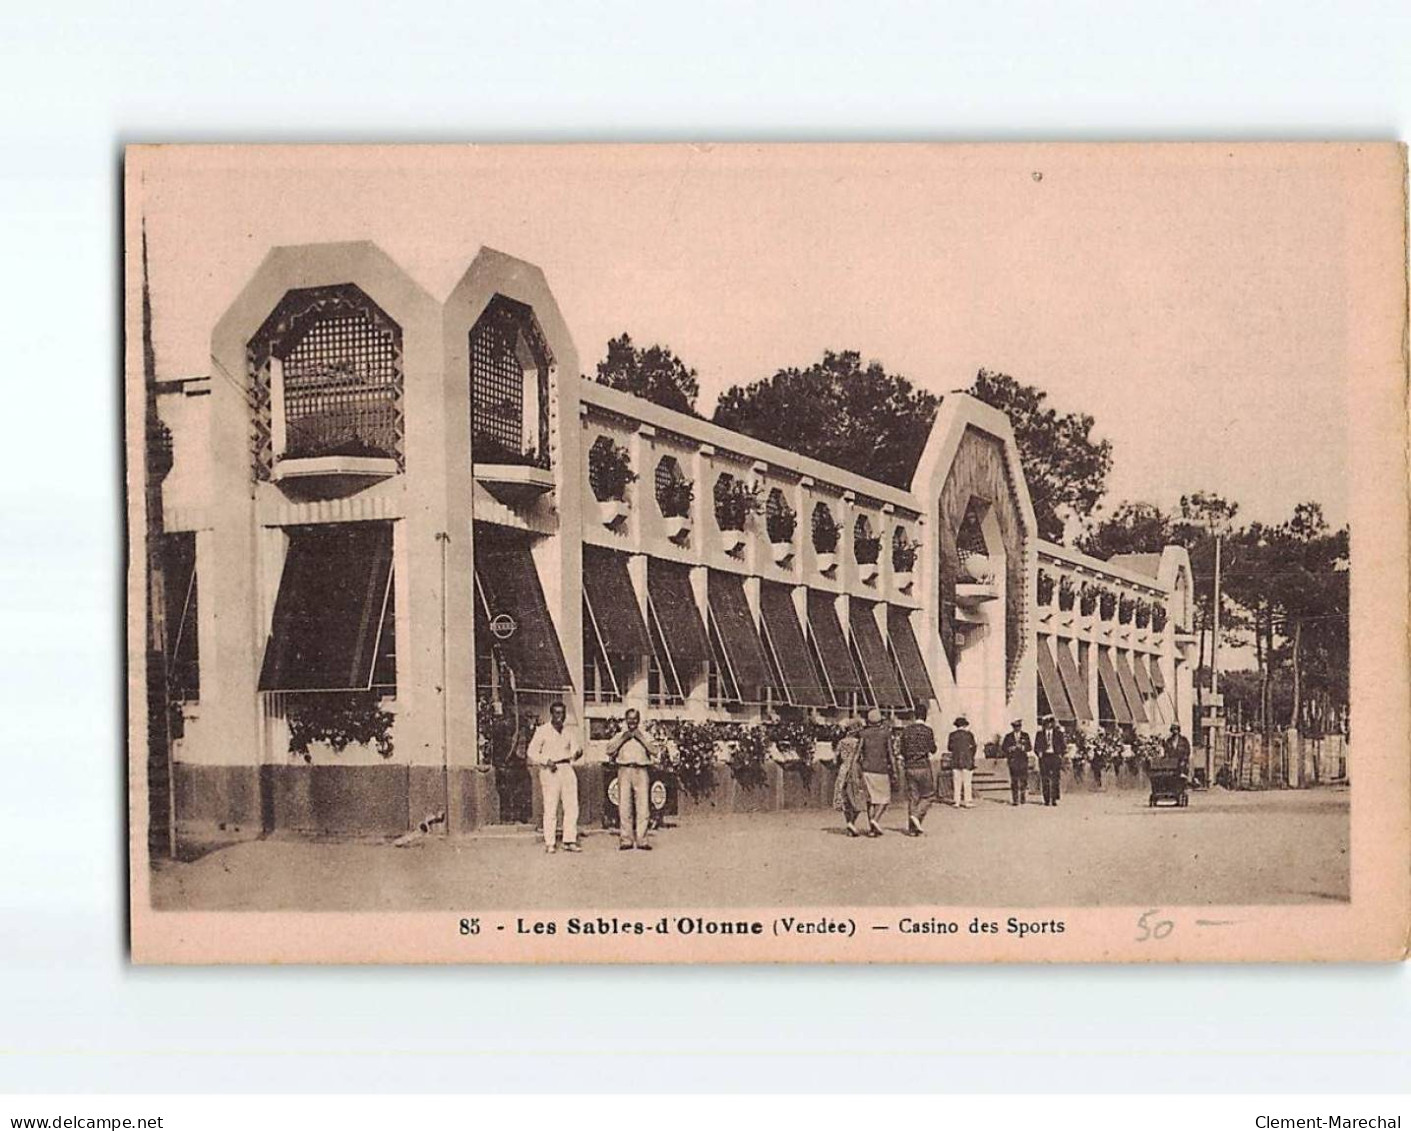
(1190, 298)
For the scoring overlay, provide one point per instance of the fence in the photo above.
(1281, 760)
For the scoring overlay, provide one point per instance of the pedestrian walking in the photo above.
(1050, 745)
(961, 745)
(632, 750)
(554, 749)
(876, 758)
(1016, 747)
(916, 745)
(1178, 749)
(849, 791)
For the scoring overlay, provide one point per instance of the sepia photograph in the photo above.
(798, 552)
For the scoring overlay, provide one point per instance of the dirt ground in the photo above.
(1094, 849)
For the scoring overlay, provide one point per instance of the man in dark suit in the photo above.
(1178, 749)
(961, 745)
(1050, 745)
(1015, 748)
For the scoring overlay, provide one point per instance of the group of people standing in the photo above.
(871, 754)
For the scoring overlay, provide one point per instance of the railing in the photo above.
(346, 419)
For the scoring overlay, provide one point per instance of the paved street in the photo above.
(1095, 849)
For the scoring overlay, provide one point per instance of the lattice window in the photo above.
(509, 387)
(337, 357)
(674, 491)
(866, 545)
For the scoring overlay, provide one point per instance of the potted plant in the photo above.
(1107, 604)
(1158, 617)
(675, 494)
(904, 550)
(825, 538)
(780, 522)
(866, 548)
(735, 501)
(609, 475)
(340, 719)
(1126, 607)
(1067, 594)
(1087, 598)
(1045, 587)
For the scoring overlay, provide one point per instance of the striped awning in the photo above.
(1143, 675)
(330, 609)
(1129, 686)
(671, 602)
(1154, 669)
(1073, 681)
(784, 636)
(876, 664)
(508, 585)
(612, 603)
(826, 632)
(910, 662)
(1112, 687)
(739, 638)
(1052, 683)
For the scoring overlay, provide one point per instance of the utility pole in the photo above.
(1215, 639)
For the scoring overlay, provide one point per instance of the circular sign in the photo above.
(612, 792)
(503, 626)
(658, 792)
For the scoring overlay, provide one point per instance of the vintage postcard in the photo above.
(790, 553)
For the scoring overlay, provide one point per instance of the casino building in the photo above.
(382, 504)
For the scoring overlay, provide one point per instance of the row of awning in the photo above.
(332, 624)
(1128, 682)
(808, 663)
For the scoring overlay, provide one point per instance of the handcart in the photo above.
(1168, 783)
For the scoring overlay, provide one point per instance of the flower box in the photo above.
(676, 526)
(904, 580)
(781, 552)
(867, 571)
(613, 511)
(732, 540)
(827, 563)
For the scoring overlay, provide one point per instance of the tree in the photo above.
(1065, 467)
(866, 420)
(1133, 528)
(655, 374)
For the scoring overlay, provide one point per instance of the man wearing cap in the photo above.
(961, 745)
(1016, 747)
(917, 743)
(1050, 745)
(876, 761)
(1178, 749)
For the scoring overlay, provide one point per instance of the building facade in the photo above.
(396, 529)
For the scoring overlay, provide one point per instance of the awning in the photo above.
(1052, 683)
(734, 622)
(612, 603)
(784, 635)
(672, 604)
(517, 616)
(1129, 685)
(910, 662)
(876, 664)
(1073, 681)
(832, 647)
(328, 615)
(1153, 666)
(1112, 686)
(1143, 675)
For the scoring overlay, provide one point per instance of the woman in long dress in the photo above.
(849, 792)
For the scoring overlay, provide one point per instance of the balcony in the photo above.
(513, 476)
(350, 431)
